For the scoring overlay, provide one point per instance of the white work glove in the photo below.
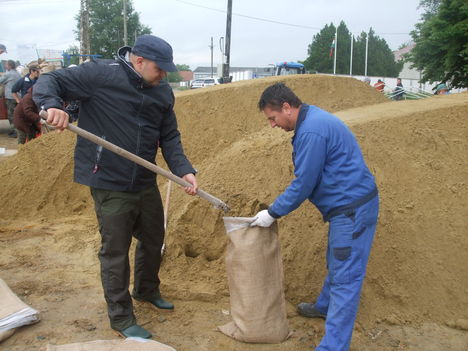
(262, 219)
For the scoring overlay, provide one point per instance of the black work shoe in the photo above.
(308, 310)
(135, 331)
(155, 300)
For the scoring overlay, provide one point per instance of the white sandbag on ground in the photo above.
(129, 344)
(255, 275)
(13, 312)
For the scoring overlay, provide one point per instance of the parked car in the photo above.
(204, 82)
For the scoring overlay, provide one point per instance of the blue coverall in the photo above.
(330, 171)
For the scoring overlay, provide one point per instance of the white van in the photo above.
(204, 82)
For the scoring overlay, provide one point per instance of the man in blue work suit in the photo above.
(330, 171)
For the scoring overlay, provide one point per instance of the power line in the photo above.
(251, 17)
(29, 2)
(269, 20)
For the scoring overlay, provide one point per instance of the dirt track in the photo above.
(416, 292)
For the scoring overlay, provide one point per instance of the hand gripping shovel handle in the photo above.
(138, 160)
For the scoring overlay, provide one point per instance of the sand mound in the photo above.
(416, 149)
(210, 121)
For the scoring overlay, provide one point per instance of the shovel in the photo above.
(217, 203)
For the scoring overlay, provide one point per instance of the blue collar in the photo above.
(300, 118)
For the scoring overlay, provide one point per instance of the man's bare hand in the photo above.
(191, 190)
(57, 118)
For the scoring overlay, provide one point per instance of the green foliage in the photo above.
(107, 26)
(183, 67)
(74, 60)
(381, 60)
(175, 77)
(441, 50)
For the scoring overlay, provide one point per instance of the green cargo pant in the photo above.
(24, 137)
(11, 104)
(122, 215)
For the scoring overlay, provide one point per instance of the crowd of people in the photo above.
(22, 112)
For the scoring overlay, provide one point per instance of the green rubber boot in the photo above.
(135, 331)
(155, 300)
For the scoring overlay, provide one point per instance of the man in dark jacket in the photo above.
(22, 85)
(127, 103)
(26, 119)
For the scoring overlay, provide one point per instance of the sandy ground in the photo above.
(415, 294)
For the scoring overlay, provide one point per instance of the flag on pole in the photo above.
(332, 47)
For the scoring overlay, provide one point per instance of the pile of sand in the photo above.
(417, 151)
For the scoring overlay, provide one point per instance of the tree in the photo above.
(183, 67)
(441, 50)
(175, 77)
(381, 60)
(106, 26)
(73, 50)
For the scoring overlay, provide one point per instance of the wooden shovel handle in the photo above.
(142, 162)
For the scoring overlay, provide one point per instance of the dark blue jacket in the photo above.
(117, 105)
(328, 166)
(22, 85)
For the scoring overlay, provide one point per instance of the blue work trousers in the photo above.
(349, 244)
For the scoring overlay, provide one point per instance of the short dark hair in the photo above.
(276, 95)
(12, 64)
(34, 68)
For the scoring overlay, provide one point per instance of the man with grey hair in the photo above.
(8, 79)
(127, 102)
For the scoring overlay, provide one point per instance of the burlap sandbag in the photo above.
(255, 276)
(113, 345)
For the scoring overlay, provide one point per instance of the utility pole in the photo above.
(336, 50)
(367, 51)
(211, 47)
(125, 22)
(228, 43)
(84, 29)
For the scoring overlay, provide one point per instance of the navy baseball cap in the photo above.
(155, 49)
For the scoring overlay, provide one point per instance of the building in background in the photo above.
(407, 72)
(237, 73)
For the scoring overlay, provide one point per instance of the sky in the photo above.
(263, 32)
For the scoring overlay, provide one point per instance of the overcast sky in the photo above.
(263, 31)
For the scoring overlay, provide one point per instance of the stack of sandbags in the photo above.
(14, 313)
(129, 344)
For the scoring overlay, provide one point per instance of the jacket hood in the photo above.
(123, 57)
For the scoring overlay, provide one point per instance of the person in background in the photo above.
(367, 80)
(26, 119)
(442, 89)
(8, 79)
(399, 92)
(330, 172)
(380, 85)
(73, 107)
(3, 50)
(23, 84)
(127, 102)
